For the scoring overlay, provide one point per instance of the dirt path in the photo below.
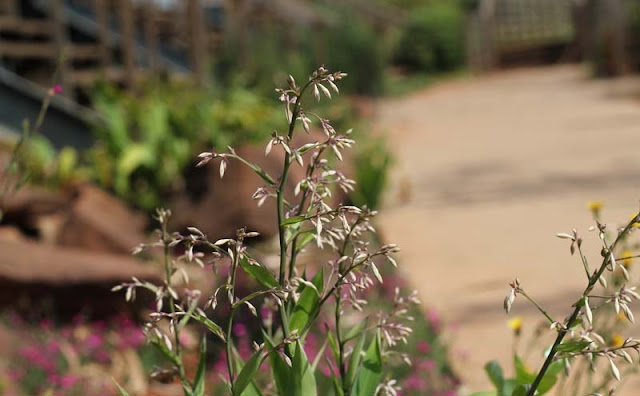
(487, 171)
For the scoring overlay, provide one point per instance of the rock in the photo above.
(33, 211)
(100, 222)
(72, 279)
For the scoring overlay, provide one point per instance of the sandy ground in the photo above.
(487, 171)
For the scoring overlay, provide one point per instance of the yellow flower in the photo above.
(626, 258)
(616, 341)
(633, 216)
(595, 206)
(515, 324)
(620, 316)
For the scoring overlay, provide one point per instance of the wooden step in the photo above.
(16, 49)
(88, 77)
(84, 51)
(25, 27)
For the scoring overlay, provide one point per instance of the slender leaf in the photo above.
(211, 325)
(521, 390)
(572, 346)
(199, 379)
(333, 344)
(302, 380)
(293, 220)
(355, 331)
(279, 368)
(248, 371)
(494, 372)
(262, 275)
(370, 373)
(354, 360)
(508, 386)
(523, 376)
(120, 388)
(307, 303)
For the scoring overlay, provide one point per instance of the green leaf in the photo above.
(508, 386)
(120, 388)
(248, 371)
(572, 346)
(370, 373)
(307, 303)
(293, 220)
(279, 368)
(333, 344)
(262, 275)
(354, 360)
(133, 156)
(494, 372)
(355, 331)
(302, 381)
(166, 352)
(523, 376)
(485, 393)
(199, 378)
(550, 377)
(212, 326)
(521, 390)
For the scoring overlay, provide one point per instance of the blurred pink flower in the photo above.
(93, 341)
(68, 381)
(428, 364)
(424, 347)
(239, 330)
(415, 382)
(434, 318)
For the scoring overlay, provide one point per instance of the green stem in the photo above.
(563, 332)
(532, 301)
(229, 342)
(176, 329)
(303, 201)
(280, 209)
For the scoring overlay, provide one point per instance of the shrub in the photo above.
(433, 39)
(354, 45)
(149, 138)
(371, 164)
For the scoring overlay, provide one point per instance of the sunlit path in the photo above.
(487, 171)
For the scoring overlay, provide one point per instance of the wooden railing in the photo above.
(126, 39)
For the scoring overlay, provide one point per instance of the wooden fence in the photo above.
(119, 39)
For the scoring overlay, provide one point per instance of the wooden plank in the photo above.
(11, 7)
(25, 27)
(84, 51)
(125, 9)
(150, 34)
(88, 77)
(15, 49)
(102, 20)
(60, 42)
(197, 40)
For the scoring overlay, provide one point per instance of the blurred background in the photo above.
(483, 128)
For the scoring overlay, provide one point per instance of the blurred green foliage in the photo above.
(433, 38)
(371, 165)
(355, 47)
(148, 138)
(45, 166)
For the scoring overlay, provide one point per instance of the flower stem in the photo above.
(563, 332)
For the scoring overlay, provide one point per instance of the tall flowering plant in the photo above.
(302, 294)
(588, 354)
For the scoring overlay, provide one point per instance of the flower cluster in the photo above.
(301, 293)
